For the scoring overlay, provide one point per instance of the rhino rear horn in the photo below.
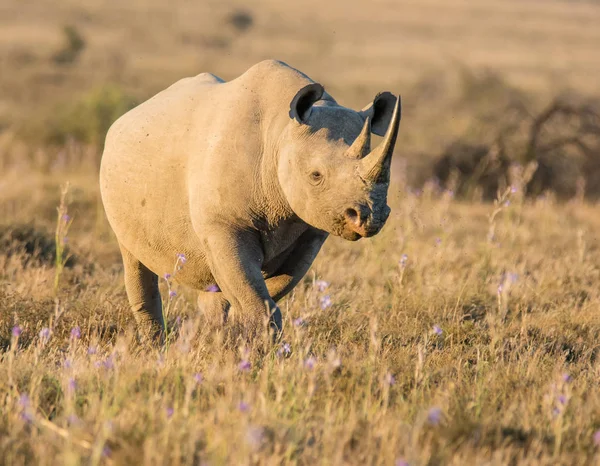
(362, 144)
(302, 103)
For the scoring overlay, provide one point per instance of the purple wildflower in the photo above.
(167, 276)
(403, 260)
(513, 189)
(310, 363)
(389, 379)
(24, 401)
(437, 330)
(16, 331)
(181, 257)
(25, 405)
(67, 364)
(108, 363)
(562, 399)
(434, 416)
(172, 294)
(44, 335)
(66, 218)
(255, 437)
(76, 332)
(91, 350)
(244, 365)
(597, 438)
(72, 385)
(566, 378)
(73, 419)
(438, 241)
(243, 407)
(284, 350)
(506, 203)
(198, 378)
(401, 462)
(325, 302)
(214, 288)
(170, 412)
(298, 322)
(106, 451)
(500, 288)
(321, 285)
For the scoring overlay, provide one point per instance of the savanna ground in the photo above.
(466, 332)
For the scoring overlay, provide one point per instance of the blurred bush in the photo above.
(505, 129)
(74, 43)
(32, 245)
(84, 120)
(241, 20)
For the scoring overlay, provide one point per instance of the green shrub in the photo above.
(74, 43)
(88, 119)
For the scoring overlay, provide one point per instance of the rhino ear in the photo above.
(380, 111)
(302, 103)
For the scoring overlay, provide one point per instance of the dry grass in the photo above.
(513, 287)
(495, 372)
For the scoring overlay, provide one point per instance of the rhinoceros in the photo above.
(245, 179)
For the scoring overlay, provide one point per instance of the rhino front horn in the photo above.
(375, 166)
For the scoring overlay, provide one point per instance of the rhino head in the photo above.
(330, 175)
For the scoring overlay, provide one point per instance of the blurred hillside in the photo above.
(71, 67)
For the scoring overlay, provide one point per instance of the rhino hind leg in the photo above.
(141, 285)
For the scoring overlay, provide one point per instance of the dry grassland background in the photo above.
(467, 332)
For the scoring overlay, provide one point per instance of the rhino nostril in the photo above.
(352, 215)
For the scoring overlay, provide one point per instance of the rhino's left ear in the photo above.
(302, 103)
(380, 111)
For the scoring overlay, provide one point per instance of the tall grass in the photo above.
(432, 343)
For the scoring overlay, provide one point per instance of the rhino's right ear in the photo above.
(380, 111)
(302, 103)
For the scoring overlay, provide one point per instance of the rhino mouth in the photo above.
(353, 234)
(350, 235)
(348, 227)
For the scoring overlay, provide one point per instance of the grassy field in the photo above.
(462, 334)
(466, 332)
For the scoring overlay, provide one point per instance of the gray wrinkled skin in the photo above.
(247, 178)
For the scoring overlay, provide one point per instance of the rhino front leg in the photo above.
(289, 274)
(141, 285)
(214, 307)
(235, 258)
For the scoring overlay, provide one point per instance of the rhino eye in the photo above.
(316, 176)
